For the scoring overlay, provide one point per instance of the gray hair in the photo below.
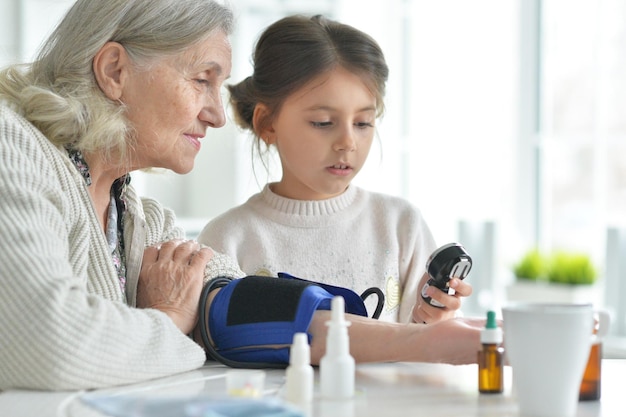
(58, 92)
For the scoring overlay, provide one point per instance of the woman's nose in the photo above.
(212, 112)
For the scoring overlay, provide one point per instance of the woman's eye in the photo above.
(202, 81)
(364, 125)
(321, 124)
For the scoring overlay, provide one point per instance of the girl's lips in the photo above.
(341, 170)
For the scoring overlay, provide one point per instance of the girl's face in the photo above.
(323, 134)
(171, 104)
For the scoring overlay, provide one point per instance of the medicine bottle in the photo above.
(491, 358)
(337, 368)
(299, 373)
(590, 387)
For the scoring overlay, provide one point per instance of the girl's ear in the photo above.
(109, 67)
(262, 123)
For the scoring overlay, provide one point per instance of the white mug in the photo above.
(547, 346)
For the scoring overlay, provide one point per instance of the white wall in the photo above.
(447, 114)
(9, 38)
(24, 24)
(210, 189)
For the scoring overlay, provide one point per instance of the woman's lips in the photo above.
(194, 140)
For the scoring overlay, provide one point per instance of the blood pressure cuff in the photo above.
(252, 320)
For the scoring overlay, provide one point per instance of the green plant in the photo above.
(560, 267)
(571, 268)
(532, 266)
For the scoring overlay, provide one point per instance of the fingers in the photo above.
(461, 288)
(151, 254)
(176, 249)
(180, 251)
(449, 301)
(420, 313)
(201, 257)
(423, 312)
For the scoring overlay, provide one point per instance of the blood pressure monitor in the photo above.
(447, 262)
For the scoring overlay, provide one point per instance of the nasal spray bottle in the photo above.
(337, 365)
(299, 373)
(491, 358)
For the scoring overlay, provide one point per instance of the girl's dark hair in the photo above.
(296, 49)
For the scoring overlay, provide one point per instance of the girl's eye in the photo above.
(364, 125)
(321, 124)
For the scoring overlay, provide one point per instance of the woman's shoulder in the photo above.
(12, 117)
(160, 221)
(8, 109)
(23, 144)
(16, 128)
(12, 121)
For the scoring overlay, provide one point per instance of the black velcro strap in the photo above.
(259, 299)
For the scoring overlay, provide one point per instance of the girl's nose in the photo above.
(346, 142)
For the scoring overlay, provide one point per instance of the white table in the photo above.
(400, 389)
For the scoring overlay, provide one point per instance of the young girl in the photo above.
(315, 94)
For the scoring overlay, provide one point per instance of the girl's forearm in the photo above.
(454, 341)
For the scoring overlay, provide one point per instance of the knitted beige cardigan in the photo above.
(64, 321)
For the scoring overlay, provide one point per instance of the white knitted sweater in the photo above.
(64, 322)
(357, 240)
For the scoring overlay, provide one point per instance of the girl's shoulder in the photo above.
(222, 224)
(384, 201)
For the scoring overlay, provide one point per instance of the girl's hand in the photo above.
(423, 312)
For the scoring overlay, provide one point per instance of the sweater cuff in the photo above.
(222, 265)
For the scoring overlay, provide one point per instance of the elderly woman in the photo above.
(98, 286)
(120, 85)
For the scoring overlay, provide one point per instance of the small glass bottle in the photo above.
(491, 358)
(590, 387)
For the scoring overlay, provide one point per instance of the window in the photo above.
(502, 111)
(583, 126)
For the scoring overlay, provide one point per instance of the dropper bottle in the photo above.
(299, 373)
(491, 358)
(337, 365)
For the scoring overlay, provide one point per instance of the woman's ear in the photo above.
(262, 124)
(109, 67)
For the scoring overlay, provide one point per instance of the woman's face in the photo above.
(323, 134)
(171, 104)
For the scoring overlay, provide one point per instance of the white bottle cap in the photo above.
(491, 334)
(300, 352)
(337, 312)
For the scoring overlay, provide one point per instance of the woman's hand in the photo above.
(423, 312)
(171, 280)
